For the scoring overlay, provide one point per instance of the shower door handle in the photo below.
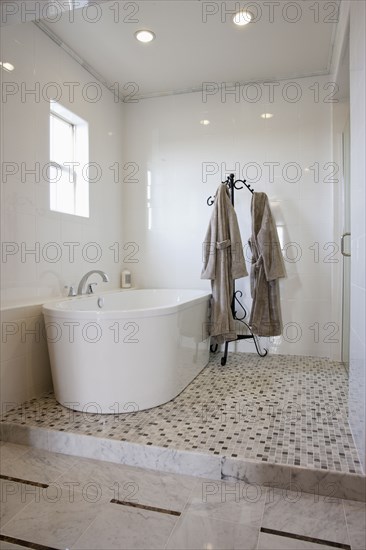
(342, 244)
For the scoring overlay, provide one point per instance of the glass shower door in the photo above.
(346, 244)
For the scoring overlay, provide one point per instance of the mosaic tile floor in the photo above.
(281, 409)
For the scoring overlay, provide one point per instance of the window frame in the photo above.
(80, 158)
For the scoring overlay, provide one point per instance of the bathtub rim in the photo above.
(52, 310)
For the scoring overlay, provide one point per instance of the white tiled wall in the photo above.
(168, 219)
(42, 66)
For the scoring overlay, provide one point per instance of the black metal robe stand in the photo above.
(231, 183)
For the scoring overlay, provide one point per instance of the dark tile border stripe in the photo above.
(25, 481)
(26, 543)
(307, 539)
(145, 507)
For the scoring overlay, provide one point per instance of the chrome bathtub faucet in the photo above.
(83, 281)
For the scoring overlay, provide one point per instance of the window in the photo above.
(69, 152)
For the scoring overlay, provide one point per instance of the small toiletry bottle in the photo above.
(126, 279)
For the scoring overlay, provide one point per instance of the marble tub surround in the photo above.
(24, 362)
(168, 511)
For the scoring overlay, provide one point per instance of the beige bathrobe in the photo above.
(267, 267)
(223, 261)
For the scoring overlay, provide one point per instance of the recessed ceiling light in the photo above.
(242, 18)
(145, 36)
(267, 115)
(7, 66)
(205, 122)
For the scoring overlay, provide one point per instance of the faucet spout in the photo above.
(84, 279)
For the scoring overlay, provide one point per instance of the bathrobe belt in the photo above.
(257, 265)
(257, 275)
(223, 244)
(257, 262)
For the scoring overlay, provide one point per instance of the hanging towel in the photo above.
(267, 267)
(223, 261)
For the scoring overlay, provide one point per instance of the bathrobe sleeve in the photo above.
(269, 245)
(238, 267)
(209, 250)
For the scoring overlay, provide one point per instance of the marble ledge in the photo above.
(325, 483)
(135, 454)
(329, 484)
(122, 452)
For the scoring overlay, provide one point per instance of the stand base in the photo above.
(214, 348)
(240, 336)
(243, 337)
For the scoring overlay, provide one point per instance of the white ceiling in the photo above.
(188, 51)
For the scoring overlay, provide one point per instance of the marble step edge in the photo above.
(322, 483)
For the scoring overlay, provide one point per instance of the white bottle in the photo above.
(126, 279)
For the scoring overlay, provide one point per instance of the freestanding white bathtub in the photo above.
(125, 351)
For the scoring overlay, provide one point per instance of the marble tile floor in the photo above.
(51, 500)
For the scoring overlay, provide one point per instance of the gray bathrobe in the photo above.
(223, 261)
(267, 267)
